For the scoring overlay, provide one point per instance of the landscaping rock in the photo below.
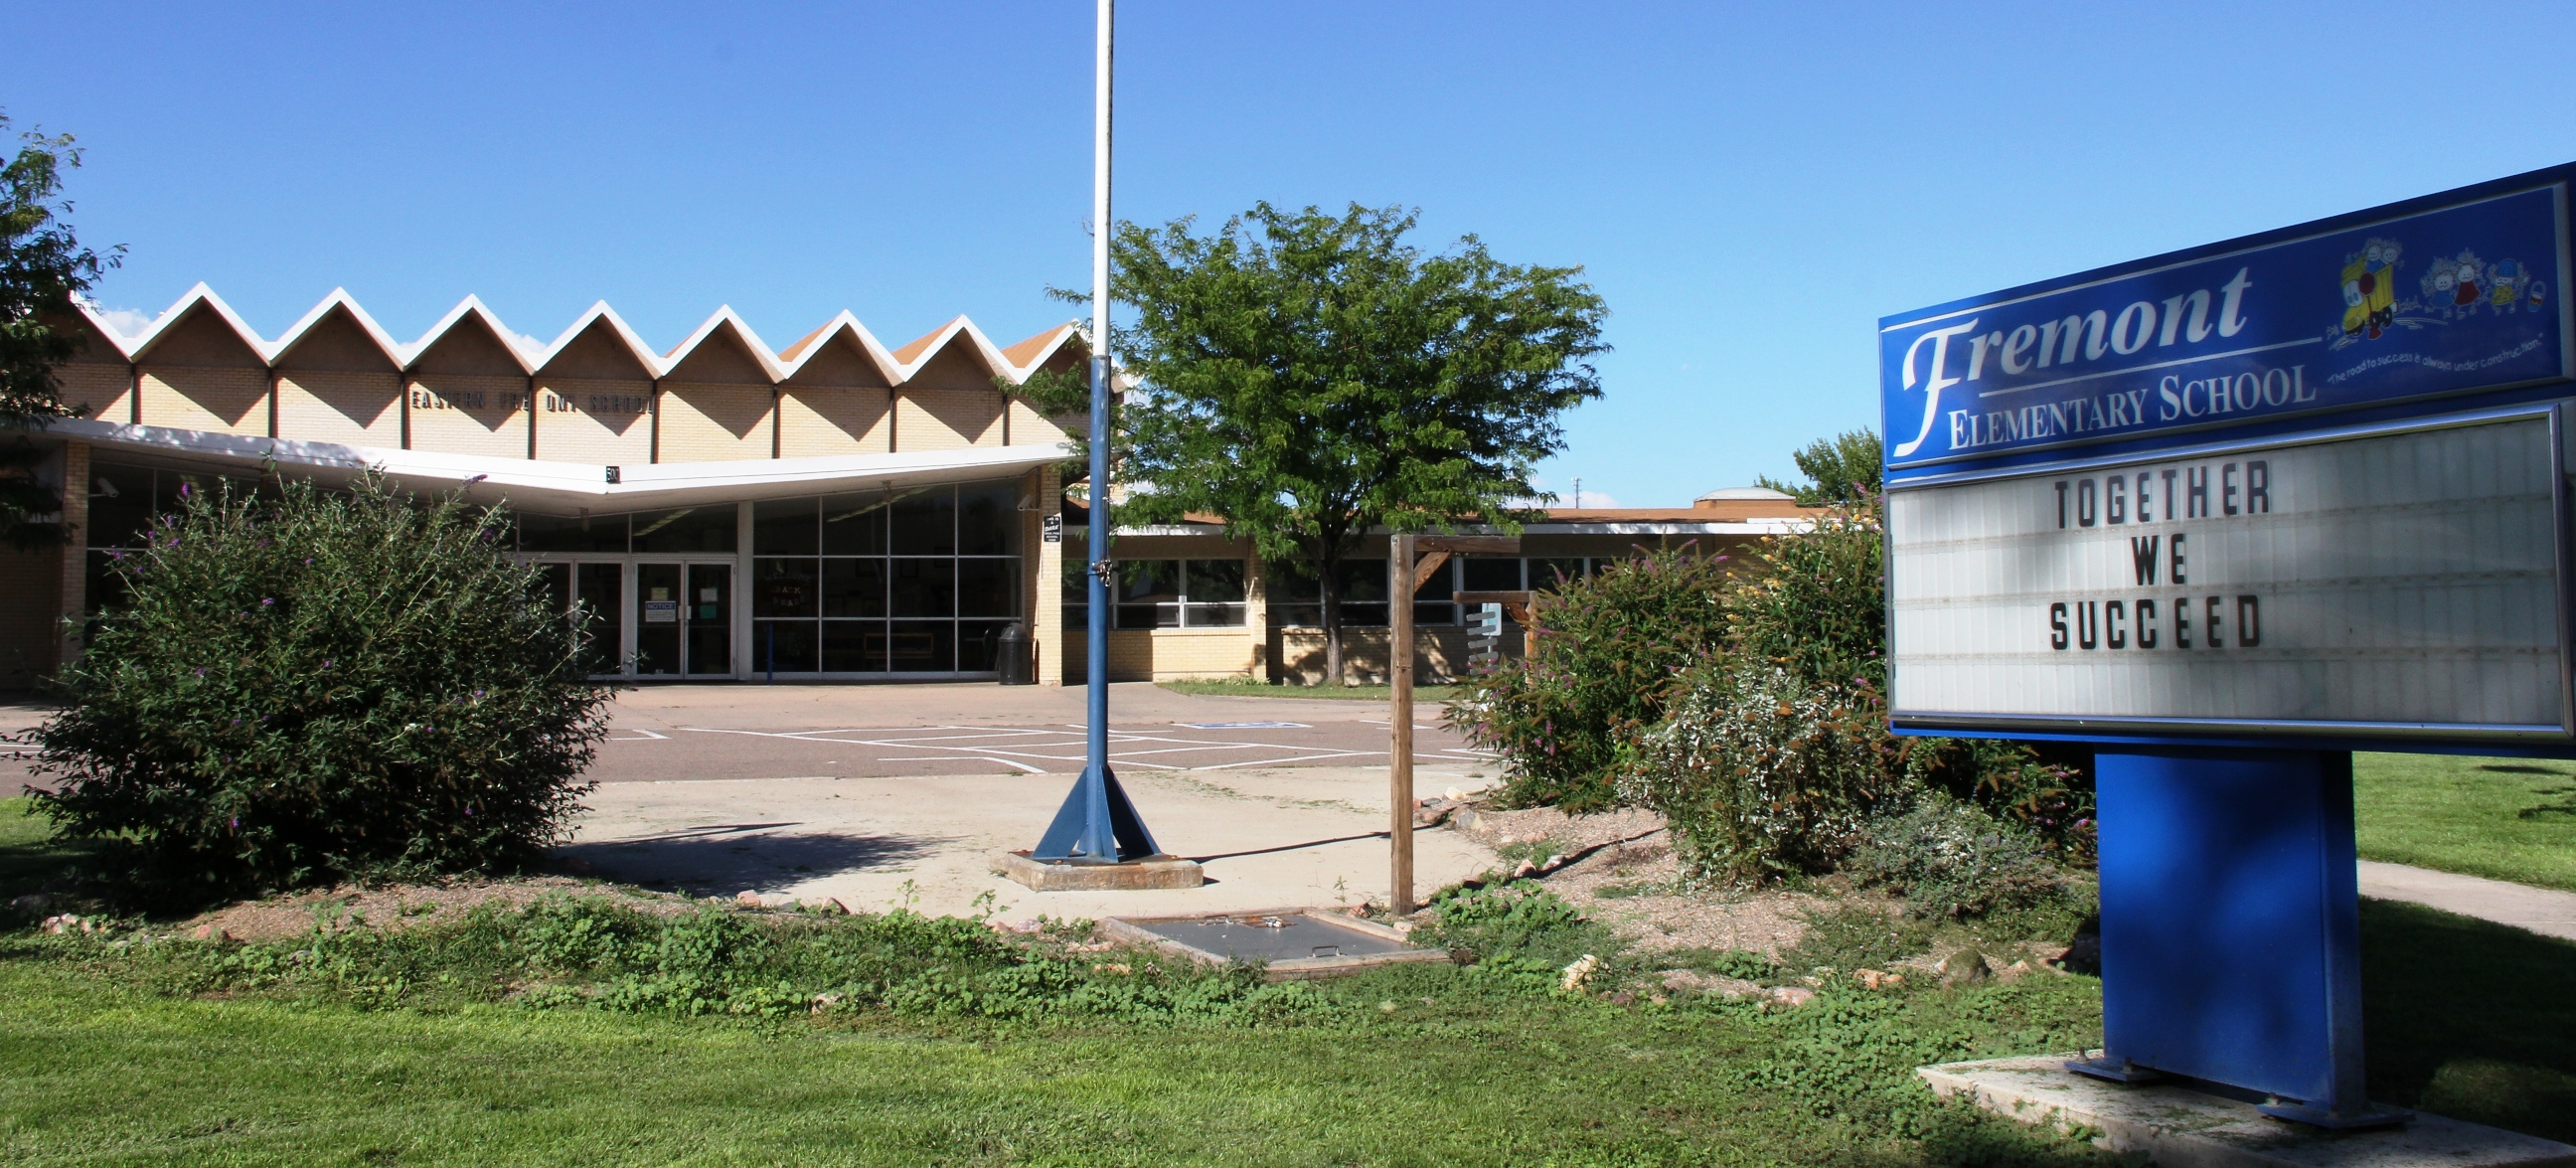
(212, 932)
(1792, 996)
(747, 898)
(1579, 973)
(1878, 979)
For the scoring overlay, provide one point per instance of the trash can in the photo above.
(1011, 655)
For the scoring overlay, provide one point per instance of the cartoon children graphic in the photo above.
(2505, 282)
(2468, 270)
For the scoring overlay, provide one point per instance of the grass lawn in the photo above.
(2502, 818)
(1252, 688)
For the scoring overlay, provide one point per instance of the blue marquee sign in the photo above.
(2431, 299)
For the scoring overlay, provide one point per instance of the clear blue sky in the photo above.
(1750, 186)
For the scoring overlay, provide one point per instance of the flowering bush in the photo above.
(302, 686)
(1602, 656)
(1761, 773)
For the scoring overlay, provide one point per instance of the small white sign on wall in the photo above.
(2397, 583)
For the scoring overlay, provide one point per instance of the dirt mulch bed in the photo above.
(397, 906)
(1628, 855)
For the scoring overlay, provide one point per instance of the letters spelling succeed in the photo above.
(2443, 301)
(2161, 495)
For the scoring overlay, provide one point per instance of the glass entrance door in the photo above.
(710, 620)
(657, 620)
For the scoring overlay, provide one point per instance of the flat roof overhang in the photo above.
(561, 488)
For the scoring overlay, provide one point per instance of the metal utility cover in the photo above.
(1293, 943)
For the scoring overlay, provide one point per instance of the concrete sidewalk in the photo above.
(2548, 912)
(1309, 836)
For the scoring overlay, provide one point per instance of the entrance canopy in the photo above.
(566, 488)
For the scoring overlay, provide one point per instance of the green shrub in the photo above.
(1760, 773)
(1815, 602)
(1951, 859)
(304, 686)
(1602, 656)
(2044, 788)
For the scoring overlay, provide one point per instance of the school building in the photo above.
(836, 510)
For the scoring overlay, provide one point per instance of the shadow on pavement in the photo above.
(728, 858)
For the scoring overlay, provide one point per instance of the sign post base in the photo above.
(2231, 934)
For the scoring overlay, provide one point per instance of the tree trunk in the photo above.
(1332, 623)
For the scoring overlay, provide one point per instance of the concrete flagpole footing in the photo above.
(2177, 1127)
(1160, 871)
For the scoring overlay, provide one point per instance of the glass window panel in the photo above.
(786, 587)
(1364, 615)
(1201, 616)
(979, 645)
(854, 525)
(1435, 614)
(552, 588)
(923, 587)
(988, 587)
(921, 646)
(1077, 616)
(1362, 579)
(784, 527)
(596, 588)
(925, 522)
(854, 646)
(1148, 581)
(1292, 581)
(1214, 581)
(854, 588)
(1149, 616)
(988, 519)
(709, 615)
(1297, 616)
(120, 505)
(687, 529)
(572, 533)
(1546, 574)
(783, 646)
(106, 588)
(1491, 574)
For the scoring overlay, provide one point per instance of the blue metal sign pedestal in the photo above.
(2231, 939)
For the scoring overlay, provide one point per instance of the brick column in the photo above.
(1046, 580)
(74, 592)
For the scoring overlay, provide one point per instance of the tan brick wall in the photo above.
(833, 420)
(460, 413)
(335, 405)
(947, 419)
(108, 390)
(1439, 655)
(1046, 584)
(587, 420)
(1164, 654)
(1030, 428)
(218, 400)
(704, 422)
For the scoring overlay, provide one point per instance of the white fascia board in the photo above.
(1020, 374)
(89, 312)
(472, 306)
(567, 487)
(340, 298)
(179, 311)
(991, 354)
(654, 365)
(939, 340)
(724, 316)
(887, 366)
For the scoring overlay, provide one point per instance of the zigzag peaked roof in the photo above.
(1014, 364)
(723, 319)
(178, 313)
(340, 298)
(471, 307)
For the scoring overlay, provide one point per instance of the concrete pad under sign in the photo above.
(2180, 1128)
(1150, 872)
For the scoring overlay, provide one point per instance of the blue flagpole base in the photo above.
(1096, 825)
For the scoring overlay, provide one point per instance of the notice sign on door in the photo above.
(2395, 583)
(661, 612)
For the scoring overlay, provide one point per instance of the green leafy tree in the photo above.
(302, 686)
(42, 266)
(1310, 376)
(1842, 470)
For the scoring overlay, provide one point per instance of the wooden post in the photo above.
(1399, 675)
